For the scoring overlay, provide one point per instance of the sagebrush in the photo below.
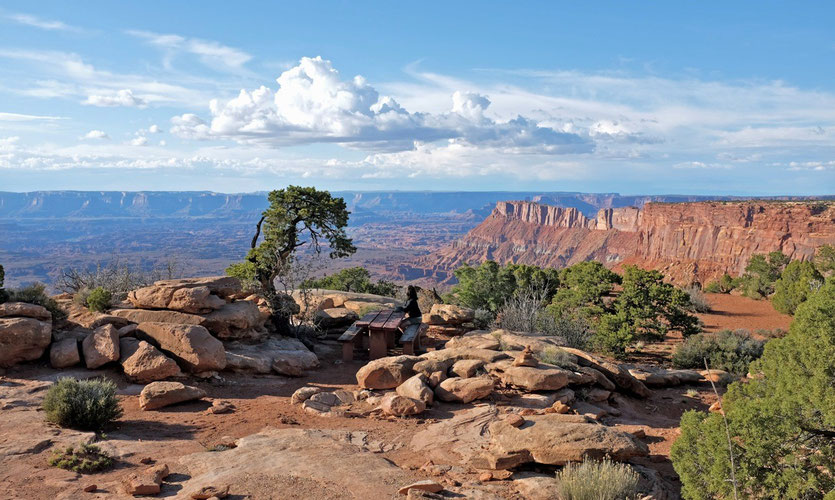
(82, 404)
(591, 480)
(36, 294)
(725, 350)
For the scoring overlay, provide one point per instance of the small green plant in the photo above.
(555, 356)
(502, 344)
(726, 350)
(99, 300)
(82, 404)
(692, 393)
(36, 294)
(590, 480)
(84, 458)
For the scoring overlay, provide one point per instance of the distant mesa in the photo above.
(689, 242)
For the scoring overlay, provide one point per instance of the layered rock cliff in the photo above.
(687, 241)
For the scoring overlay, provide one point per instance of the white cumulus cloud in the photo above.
(95, 135)
(155, 129)
(313, 104)
(123, 97)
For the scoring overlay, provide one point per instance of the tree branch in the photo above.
(257, 231)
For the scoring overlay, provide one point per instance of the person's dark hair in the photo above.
(411, 292)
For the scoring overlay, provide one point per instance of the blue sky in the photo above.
(651, 97)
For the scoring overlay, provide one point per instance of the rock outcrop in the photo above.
(687, 241)
(143, 363)
(192, 346)
(25, 332)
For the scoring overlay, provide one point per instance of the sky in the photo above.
(655, 97)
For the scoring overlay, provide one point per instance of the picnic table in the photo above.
(381, 327)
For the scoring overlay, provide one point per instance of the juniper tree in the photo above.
(296, 217)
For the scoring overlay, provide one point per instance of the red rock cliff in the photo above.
(687, 241)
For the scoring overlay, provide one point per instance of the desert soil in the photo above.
(264, 401)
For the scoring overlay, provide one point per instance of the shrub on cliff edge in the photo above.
(781, 422)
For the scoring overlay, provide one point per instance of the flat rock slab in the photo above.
(298, 463)
(161, 394)
(554, 439)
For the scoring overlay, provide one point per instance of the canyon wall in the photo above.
(689, 242)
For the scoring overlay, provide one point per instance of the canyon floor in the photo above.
(172, 435)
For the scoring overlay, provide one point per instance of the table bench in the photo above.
(381, 327)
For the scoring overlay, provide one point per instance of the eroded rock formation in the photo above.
(687, 241)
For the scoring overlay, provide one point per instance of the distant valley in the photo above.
(396, 232)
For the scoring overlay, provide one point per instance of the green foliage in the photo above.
(590, 480)
(489, 285)
(82, 404)
(99, 299)
(84, 459)
(761, 273)
(524, 312)
(824, 260)
(781, 421)
(245, 272)
(725, 284)
(353, 279)
(297, 216)
(36, 294)
(582, 288)
(4, 296)
(553, 355)
(726, 350)
(796, 283)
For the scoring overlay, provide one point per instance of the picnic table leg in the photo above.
(347, 351)
(379, 345)
(390, 339)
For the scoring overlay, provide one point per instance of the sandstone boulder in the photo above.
(146, 315)
(226, 287)
(386, 373)
(464, 390)
(401, 406)
(190, 345)
(536, 379)
(235, 320)
(361, 306)
(198, 299)
(161, 394)
(335, 317)
(614, 372)
(294, 363)
(101, 347)
(417, 387)
(303, 394)
(143, 363)
(147, 482)
(553, 439)
(23, 339)
(108, 319)
(448, 314)
(457, 354)
(24, 310)
(260, 357)
(466, 368)
(64, 353)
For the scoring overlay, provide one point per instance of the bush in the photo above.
(796, 283)
(82, 404)
(725, 284)
(353, 279)
(582, 288)
(761, 273)
(726, 350)
(490, 285)
(36, 294)
(713, 287)
(99, 300)
(698, 300)
(115, 277)
(525, 313)
(780, 423)
(592, 480)
(555, 356)
(825, 259)
(483, 319)
(84, 458)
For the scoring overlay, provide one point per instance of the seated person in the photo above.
(411, 307)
